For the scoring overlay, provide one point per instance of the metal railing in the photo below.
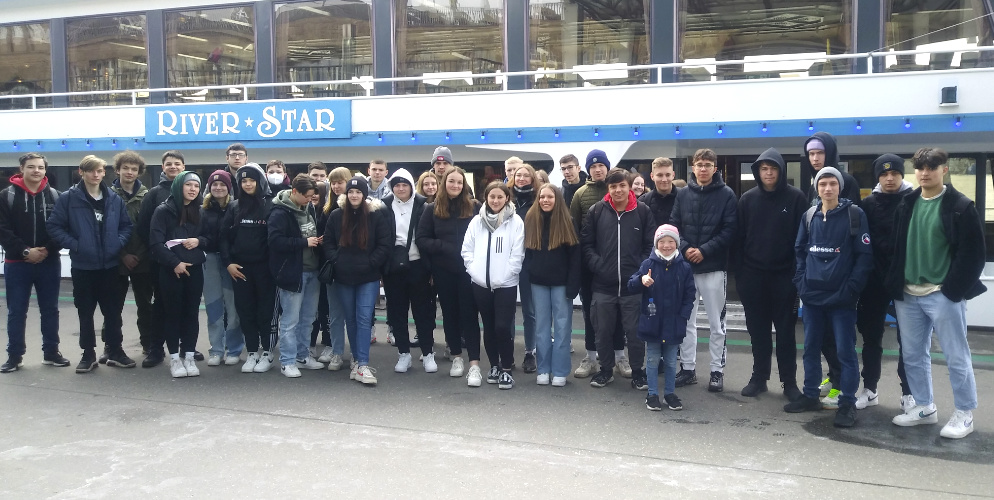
(368, 83)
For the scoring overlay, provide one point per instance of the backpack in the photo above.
(49, 191)
(853, 219)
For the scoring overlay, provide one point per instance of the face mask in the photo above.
(275, 178)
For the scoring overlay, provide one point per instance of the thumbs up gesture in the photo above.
(647, 279)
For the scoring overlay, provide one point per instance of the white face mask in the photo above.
(275, 178)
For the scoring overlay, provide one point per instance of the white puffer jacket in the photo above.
(493, 260)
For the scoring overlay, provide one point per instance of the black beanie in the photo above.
(887, 163)
(358, 182)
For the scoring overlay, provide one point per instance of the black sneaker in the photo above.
(55, 359)
(104, 356)
(504, 380)
(529, 365)
(803, 404)
(685, 377)
(754, 388)
(602, 379)
(716, 384)
(154, 358)
(88, 362)
(494, 375)
(846, 415)
(12, 364)
(117, 357)
(791, 392)
(652, 402)
(639, 381)
(673, 402)
(198, 356)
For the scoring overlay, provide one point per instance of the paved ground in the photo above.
(226, 434)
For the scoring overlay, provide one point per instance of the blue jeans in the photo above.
(553, 319)
(19, 278)
(843, 323)
(336, 319)
(219, 300)
(917, 317)
(299, 311)
(528, 312)
(357, 303)
(653, 351)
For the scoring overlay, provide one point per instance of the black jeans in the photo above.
(91, 288)
(497, 308)
(141, 285)
(321, 325)
(156, 335)
(459, 313)
(255, 299)
(589, 334)
(410, 290)
(181, 305)
(768, 299)
(870, 316)
(608, 312)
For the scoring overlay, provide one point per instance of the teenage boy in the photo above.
(661, 199)
(874, 302)
(441, 159)
(32, 259)
(938, 257)
(236, 157)
(277, 177)
(834, 259)
(318, 172)
(135, 258)
(617, 237)
(573, 176)
(379, 188)
(511, 165)
(705, 215)
(92, 222)
(767, 220)
(172, 164)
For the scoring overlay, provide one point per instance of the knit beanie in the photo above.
(814, 144)
(597, 156)
(360, 183)
(887, 163)
(834, 173)
(666, 230)
(401, 176)
(176, 188)
(442, 153)
(219, 175)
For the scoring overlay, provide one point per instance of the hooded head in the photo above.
(888, 163)
(176, 188)
(770, 156)
(255, 172)
(825, 142)
(401, 175)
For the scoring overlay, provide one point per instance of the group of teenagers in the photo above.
(300, 262)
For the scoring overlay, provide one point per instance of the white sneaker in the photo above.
(403, 362)
(542, 379)
(558, 381)
(475, 378)
(623, 367)
(365, 375)
(335, 362)
(918, 415)
(312, 351)
(372, 338)
(250, 362)
(177, 368)
(232, 360)
(354, 370)
(448, 353)
(326, 354)
(831, 402)
(290, 371)
(457, 369)
(429, 363)
(265, 363)
(866, 397)
(587, 368)
(391, 339)
(960, 425)
(907, 402)
(310, 364)
(214, 360)
(826, 385)
(191, 367)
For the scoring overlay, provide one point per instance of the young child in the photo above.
(668, 295)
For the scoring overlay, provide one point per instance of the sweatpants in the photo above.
(768, 299)
(606, 310)
(410, 290)
(871, 313)
(497, 307)
(710, 288)
(459, 313)
(91, 288)
(181, 304)
(255, 297)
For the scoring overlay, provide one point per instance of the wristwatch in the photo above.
(26, 252)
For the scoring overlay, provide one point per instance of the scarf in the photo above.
(493, 220)
(661, 256)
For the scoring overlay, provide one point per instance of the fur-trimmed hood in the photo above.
(374, 204)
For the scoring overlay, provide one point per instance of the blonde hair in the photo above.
(661, 162)
(339, 174)
(90, 163)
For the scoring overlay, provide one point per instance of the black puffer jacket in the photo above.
(661, 206)
(615, 244)
(210, 224)
(441, 239)
(354, 265)
(705, 216)
(153, 198)
(165, 226)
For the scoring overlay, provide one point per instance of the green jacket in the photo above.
(584, 198)
(135, 244)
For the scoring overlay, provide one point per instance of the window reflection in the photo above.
(107, 53)
(27, 63)
(210, 47)
(587, 36)
(946, 24)
(449, 41)
(323, 40)
(715, 30)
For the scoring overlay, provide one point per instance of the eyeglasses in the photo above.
(703, 166)
(237, 155)
(566, 168)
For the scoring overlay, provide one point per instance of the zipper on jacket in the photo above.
(489, 236)
(619, 252)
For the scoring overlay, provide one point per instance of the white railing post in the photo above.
(134, 98)
(245, 93)
(34, 102)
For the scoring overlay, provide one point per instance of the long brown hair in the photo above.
(355, 224)
(464, 201)
(561, 231)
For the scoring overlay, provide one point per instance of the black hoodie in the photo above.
(768, 221)
(570, 189)
(880, 208)
(244, 232)
(850, 189)
(153, 198)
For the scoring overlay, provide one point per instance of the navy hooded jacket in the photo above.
(673, 292)
(832, 264)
